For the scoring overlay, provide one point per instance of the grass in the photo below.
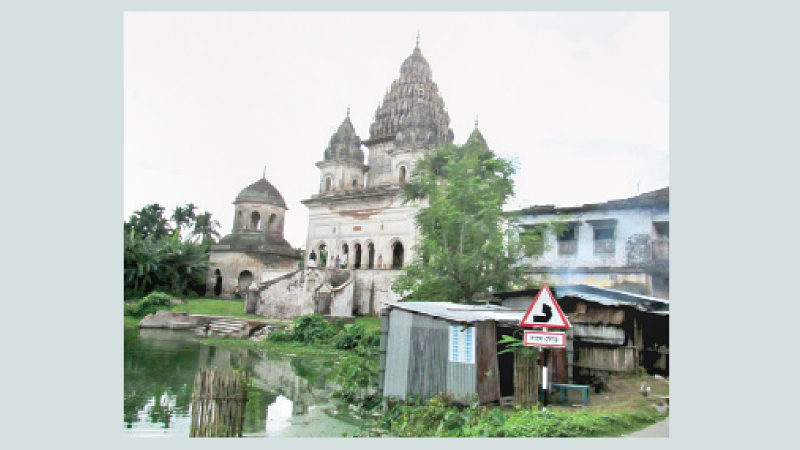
(216, 307)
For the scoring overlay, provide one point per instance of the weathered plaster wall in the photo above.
(373, 291)
(379, 222)
(232, 264)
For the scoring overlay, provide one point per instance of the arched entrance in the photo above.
(345, 256)
(357, 256)
(255, 220)
(322, 254)
(370, 255)
(397, 255)
(245, 280)
(218, 283)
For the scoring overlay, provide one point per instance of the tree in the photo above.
(149, 221)
(466, 245)
(205, 228)
(183, 216)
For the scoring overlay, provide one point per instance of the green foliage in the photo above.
(516, 345)
(465, 246)
(440, 417)
(155, 255)
(151, 303)
(357, 378)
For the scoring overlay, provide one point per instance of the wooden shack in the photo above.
(430, 348)
(612, 331)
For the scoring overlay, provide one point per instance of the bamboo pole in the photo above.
(218, 404)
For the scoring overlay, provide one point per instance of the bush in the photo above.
(349, 337)
(357, 378)
(151, 303)
(440, 417)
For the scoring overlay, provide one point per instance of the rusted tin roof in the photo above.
(459, 313)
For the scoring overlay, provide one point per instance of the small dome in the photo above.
(345, 145)
(262, 191)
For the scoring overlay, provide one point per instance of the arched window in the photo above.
(328, 183)
(397, 255)
(255, 220)
(355, 182)
(239, 220)
(402, 174)
(271, 223)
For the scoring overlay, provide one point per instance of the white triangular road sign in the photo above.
(545, 312)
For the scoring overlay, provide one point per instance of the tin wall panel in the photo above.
(427, 372)
(397, 354)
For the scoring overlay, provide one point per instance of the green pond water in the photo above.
(290, 396)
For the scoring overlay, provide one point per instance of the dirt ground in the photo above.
(623, 393)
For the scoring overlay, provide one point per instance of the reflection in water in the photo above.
(286, 392)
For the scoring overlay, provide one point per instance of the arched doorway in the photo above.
(245, 280)
(328, 184)
(402, 174)
(370, 255)
(322, 254)
(345, 256)
(255, 220)
(357, 256)
(218, 283)
(397, 255)
(271, 222)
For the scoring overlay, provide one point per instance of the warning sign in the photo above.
(545, 312)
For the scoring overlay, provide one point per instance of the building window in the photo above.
(255, 220)
(397, 256)
(604, 235)
(421, 92)
(327, 184)
(568, 239)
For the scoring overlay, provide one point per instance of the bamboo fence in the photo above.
(218, 403)
(526, 378)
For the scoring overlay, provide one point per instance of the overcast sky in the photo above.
(580, 100)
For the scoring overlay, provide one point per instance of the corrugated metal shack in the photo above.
(612, 331)
(428, 348)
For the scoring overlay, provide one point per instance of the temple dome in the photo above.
(412, 111)
(345, 145)
(262, 191)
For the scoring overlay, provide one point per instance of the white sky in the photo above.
(579, 99)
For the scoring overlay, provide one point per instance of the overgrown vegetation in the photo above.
(357, 374)
(169, 254)
(440, 417)
(151, 303)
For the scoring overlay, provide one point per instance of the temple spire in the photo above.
(265, 173)
(476, 122)
(417, 38)
(348, 110)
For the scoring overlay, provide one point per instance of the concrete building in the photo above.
(619, 244)
(256, 249)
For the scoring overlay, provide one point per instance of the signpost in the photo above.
(545, 339)
(544, 313)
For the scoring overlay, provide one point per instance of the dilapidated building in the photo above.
(430, 348)
(618, 244)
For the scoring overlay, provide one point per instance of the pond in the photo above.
(290, 396)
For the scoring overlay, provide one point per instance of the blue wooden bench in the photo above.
(563, 390)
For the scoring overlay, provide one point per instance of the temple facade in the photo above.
(357, 219)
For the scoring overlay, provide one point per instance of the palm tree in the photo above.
(205, 228)
(183, 216)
